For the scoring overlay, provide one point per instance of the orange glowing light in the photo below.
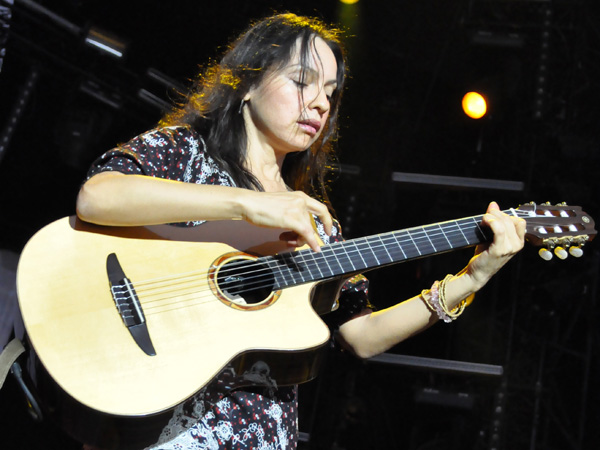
(474, 105)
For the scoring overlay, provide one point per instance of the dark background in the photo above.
(62, 103)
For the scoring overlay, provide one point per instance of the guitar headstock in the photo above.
(557, 228)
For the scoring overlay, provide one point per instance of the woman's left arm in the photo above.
(370, 334)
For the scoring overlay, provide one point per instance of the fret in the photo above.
(460, 229)
(399, 247)
(317, 266)
(424, 245)
(336, 260)
(409, 248)
(481, 233)
(474, 233)
(304, 265)
(384, 254)
(445, 236)
(289, 268)
(442, 236)
(328, 255)
(429, 239)
(343, 257)
(327, 269)
(372, 252)
(366, 255)
(362, 263)
(414, 244)
(280, 278)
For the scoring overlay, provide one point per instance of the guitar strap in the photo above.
(8, 356)
(11, 322)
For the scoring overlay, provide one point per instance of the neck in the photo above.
(264, 161)
(266, 168)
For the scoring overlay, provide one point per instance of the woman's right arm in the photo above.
(113, 198)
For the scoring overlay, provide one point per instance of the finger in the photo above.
(306, 235)
(313, 243)
(515, 228)
(520, 227)
(493, 206)
(500, 224)
(292, 239)
(509, 233)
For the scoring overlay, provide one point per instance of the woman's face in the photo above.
(287, 112)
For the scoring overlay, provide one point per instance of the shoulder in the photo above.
(164, 137)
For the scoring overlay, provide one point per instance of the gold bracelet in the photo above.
(435, 300)
(458, 309)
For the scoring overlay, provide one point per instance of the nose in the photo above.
(320, 102)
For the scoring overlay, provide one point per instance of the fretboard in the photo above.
(362, 254)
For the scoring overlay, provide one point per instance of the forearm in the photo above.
(375, 333)
(113, 198)
(371, 334)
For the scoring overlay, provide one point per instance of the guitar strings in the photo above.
(357, 242)
(189, 283)
(262, 271)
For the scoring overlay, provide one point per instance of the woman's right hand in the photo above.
(288, 210)
(112, 198)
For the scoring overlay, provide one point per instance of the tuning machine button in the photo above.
(575, 251)
(561, 253)
(545, 254)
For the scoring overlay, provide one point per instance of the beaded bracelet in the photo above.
(432, 300)
(458, 309)
(437, 301)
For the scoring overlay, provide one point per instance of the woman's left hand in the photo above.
(509, 238)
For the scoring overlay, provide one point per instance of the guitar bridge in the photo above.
(128, 305)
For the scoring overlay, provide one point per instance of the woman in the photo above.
(252, 142)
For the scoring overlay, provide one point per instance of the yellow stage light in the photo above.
(349, 2)
(474, 105)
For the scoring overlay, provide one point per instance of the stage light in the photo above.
(106, 42)
(349, 2)
(474, 105)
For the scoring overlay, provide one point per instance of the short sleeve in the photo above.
(173, 153)
(161, 152)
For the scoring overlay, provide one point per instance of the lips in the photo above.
(310, 125)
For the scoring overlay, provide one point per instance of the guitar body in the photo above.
(82, 342)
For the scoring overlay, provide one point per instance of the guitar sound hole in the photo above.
(245, 282)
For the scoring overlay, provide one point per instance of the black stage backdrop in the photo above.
(63, 102)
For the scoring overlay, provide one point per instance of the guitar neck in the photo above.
(362, 254)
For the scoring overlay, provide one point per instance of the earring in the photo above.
(241, 106)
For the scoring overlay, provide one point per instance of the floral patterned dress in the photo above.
(221, 416)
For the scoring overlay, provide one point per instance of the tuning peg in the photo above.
(577, 252)
(545, 254)
(561, 252)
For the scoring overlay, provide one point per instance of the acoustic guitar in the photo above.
(132, 321)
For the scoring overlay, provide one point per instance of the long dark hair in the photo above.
(213, 104)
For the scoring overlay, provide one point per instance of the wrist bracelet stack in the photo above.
(435, 299)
